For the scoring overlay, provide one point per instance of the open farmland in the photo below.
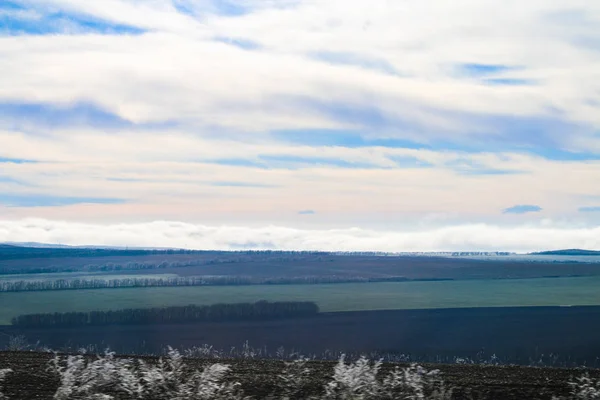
(259, 378)
(330, 297)
(440, 311)
(63, 262)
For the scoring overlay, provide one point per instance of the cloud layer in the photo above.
(473, 237)
(245, 113)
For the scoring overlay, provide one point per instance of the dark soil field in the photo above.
(31, 380)
(558, 336)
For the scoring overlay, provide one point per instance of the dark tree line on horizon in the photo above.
(12, 252)
(261, 310)
(224, 280)
(227, 258)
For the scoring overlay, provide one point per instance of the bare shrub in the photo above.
(18, 343)
(3, 373)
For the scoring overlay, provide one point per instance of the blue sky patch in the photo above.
(237, 162)
(40, 23)
(342, 138)
(589, 209)
(306, 212)
(489, 171)
(464, 166)
(508, 82)
(410, 162)
(479, 70)
(541, 136)
(294, 162)
(556, 154)
(481, 132)
(48, 115)
(370, 117)
(184, 7)
(522, 209)
(492, 74)
(238, 42)
(31, 200)
(15, 160)
(230, 8)
(10, 5)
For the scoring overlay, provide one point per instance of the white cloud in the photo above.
(222, 100)
(175, 71)
(177, 234)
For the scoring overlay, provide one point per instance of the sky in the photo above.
(386, 125)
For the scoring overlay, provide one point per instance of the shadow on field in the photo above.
(558, 336)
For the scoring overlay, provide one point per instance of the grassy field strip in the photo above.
(331, 297)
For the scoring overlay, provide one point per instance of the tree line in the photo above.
(12, 252)
(261, 310)
(227, 258)
(76, 284)
(224, 280)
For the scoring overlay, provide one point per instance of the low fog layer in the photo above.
(481, 237)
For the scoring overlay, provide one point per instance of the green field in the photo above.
(331, 297)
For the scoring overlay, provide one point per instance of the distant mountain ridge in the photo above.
(567, 252)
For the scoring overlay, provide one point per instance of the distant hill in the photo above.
(38, 245)
(15, 251)
(568, 252)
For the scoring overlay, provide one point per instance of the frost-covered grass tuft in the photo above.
(3, 373)
(108, 377)
(359, 380)
(585, 388)
(293, 380)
